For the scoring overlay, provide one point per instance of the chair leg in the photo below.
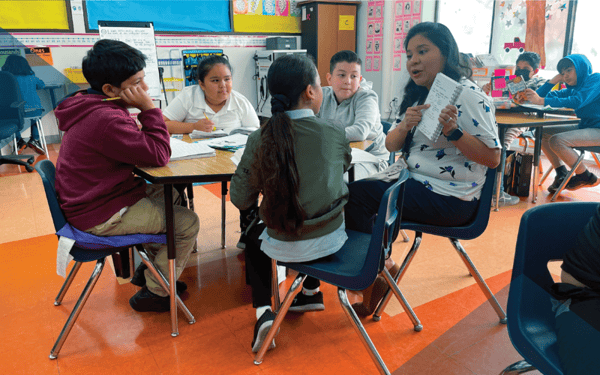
(78, 307)
(520, 367)
(287, 302)
(596, 159)
(223, 211)
(404, 236)
(190, 194)
(480, 281)
(275, 286)
(566, 179)
(362, 333)
(38, 124)
(162, 280)
(418, 327)
(398, 277)
(67, 284)
(545, 176)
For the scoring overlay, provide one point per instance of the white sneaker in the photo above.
(505, 200)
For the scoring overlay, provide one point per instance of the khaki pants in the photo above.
(148, 216)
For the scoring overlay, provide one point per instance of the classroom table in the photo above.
(538, 121)
(212, 169)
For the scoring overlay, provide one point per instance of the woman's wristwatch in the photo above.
(455, 134)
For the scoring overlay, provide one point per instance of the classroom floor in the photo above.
(461, 332)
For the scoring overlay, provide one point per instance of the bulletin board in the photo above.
(35, 15)
(266, 16)
(166, 15)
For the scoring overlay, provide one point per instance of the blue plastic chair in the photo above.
(545, 233)
(467, 232)
(89, 248)
(353, 267)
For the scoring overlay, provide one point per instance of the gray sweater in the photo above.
(358, 116)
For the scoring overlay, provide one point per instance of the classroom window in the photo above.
(585, 28)
(470, 23)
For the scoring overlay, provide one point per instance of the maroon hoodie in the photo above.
(101, 145)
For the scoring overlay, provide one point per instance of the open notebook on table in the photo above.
(181, 150)
(197, 134)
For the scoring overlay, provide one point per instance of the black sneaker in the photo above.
(581, 180)
(261, 329)
(242, 242)
(304, 303)
(139, 279)
(36, 146)
(556, 184)
(21, 144)
(144, 300)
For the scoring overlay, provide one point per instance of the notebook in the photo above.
(444, 91)
(181, 150)
(197, 134)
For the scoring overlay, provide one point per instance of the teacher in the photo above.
(446, 176)
(212, 104)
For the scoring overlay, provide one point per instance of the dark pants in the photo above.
(419, 204)
(259, 271)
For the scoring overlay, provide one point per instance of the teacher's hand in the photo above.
(413, 116)
(204, 125)
(448, 118)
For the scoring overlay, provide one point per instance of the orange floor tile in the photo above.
(461, 332)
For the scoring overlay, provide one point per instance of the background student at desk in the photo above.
(212, 103)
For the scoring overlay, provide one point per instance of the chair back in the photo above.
(545, 233)
(11, 106)
(468, 231)
(47, 172)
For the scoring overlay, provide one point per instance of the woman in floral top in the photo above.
(446, 176)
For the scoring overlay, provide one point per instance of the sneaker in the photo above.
(21, 144)
(36, 146)
(144, 300)
(139, 279)
(304, 303)
(558, 179)
(505, 200)
(261, 329)
(581, 180)
(242, 242)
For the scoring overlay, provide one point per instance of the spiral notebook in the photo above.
(444, 91)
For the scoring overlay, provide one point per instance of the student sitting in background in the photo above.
(583, 95)
(28, 84)
(96, 187)
(210, 104)
(527, 67)
(578, 316)
(353, 107)
(213, 105)
(296, 161)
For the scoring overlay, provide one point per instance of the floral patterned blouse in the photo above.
(440, 166)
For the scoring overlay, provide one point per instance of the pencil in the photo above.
(109, 99)
(214, 127)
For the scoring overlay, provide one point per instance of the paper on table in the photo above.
(361, 156)
(181, 150)
(230, 143)
(197, 134)
(237, 156)
(538, 107)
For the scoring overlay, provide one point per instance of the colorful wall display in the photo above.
(406, 15)
(374, 36)
(266, 16)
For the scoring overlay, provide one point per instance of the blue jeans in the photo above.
(35, 133)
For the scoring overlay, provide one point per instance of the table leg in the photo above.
(502, 166)
(171, 255)
(223, 199)
(537, 150)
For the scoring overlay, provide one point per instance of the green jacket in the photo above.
(322, 155)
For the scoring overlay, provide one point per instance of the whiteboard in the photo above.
(139, 35)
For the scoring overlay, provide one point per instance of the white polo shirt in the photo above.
(190, 106)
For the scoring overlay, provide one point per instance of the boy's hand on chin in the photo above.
(137, 97)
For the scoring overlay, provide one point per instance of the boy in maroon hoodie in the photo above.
(102, 143)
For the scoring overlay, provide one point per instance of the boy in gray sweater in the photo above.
(351, 105)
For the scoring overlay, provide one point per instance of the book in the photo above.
(181, 150)
(444, 91)
(230, 143)
(198, 134)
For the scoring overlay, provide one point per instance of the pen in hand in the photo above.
(115, 98)
(214, 127)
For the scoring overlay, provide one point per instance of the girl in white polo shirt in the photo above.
(212, 104)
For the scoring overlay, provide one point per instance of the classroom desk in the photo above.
(538, 121)
(212, 169)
